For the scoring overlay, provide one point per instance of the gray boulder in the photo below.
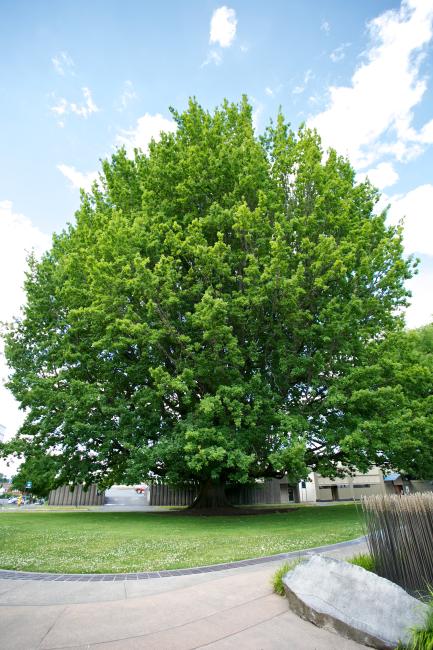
(355, 603)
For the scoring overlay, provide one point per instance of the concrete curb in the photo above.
(150, 575)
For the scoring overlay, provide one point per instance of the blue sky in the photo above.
(79, 78)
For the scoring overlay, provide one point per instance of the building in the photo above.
(397, 484)
(348, 488)
(319, 488)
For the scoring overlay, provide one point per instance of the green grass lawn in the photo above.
(98, 542)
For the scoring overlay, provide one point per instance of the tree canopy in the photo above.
(389, 399)
(37, 466)
(41, 470)
(198, 318)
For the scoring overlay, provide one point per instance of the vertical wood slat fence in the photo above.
(400, 538)
(63, 496)
(267, 492)
(161, 494)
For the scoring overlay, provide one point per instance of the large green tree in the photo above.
(193, 321)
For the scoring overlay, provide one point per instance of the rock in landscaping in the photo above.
(353, 602)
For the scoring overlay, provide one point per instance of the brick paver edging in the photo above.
(115, 577)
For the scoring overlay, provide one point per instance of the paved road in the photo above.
(232, 609)
(126, 496)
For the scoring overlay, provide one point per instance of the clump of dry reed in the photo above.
(400, 538)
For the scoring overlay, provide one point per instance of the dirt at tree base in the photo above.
(225, 512)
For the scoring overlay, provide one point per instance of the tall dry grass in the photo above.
(400, 538)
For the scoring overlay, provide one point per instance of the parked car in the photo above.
(13, 500)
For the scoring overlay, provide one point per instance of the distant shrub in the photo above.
(277, 578)
(400, 534)
(422, 637)
(365, 561)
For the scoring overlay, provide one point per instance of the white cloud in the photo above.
(86, 108)
(373, 115)
(62, 63)
(339, 53)
(213, 57)
(416, 209)
(78, 179)
(127, 95)
(257, 113)
(384, 175)
(223, 26)
(426, 133)
(272, 91)
(148, 127)
(420, 311)
(61, 107)
(297, 90)
(325, 26)
(18, 237)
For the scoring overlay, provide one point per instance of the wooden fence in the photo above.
(400, 538)
(267, 492)
(64, 496)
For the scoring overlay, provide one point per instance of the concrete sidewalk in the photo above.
(228, 609)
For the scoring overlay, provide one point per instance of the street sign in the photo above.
(29, 484)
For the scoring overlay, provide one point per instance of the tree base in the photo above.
(237, 511)
(211, 496)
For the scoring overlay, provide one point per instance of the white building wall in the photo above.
(308, 493)
(318, 488)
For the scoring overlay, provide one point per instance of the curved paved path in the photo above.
(224, 609)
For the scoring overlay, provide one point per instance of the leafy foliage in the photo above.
(389, 399)
(38, 467)
(277, 578)
(41, 470)
(198, 319)
(364, 560)
(422, 637)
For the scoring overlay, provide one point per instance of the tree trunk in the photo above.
(211, 496)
